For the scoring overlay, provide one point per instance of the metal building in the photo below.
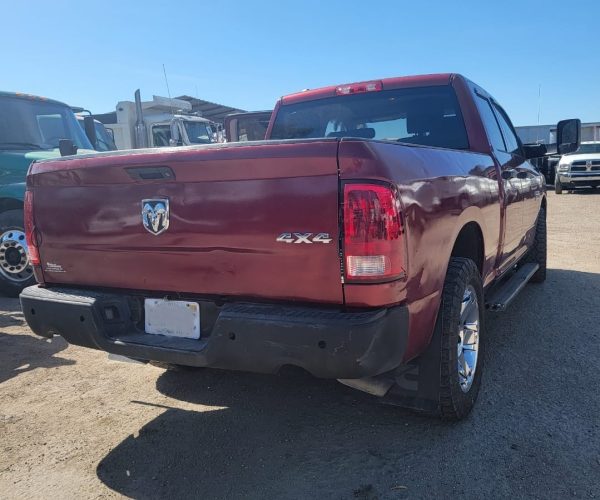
(212, 111)
(546, 134)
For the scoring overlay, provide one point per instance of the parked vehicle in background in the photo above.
(547, 166)
(579, 169)
(100, 138)
(31, 128)
(362, 242)
(159, 123)
(541, 134)
(250, 126)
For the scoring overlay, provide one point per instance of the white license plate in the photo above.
(174, 318)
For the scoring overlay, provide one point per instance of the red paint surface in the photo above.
(228, 205)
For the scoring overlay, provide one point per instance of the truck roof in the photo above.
(21, 95)
(395, 82)
(192, 118)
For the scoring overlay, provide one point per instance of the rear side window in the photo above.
(490, 123)
(428, 116)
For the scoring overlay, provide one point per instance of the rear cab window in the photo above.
(428, 116)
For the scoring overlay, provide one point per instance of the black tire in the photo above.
(557, 186)
(538, 251)
(455, 403)
(551, 175)
(12, 220)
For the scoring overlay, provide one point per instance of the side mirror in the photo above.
(534, 150)
(66, 147)
(568, 136)
(90, 129)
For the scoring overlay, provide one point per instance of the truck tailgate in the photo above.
(227, 207)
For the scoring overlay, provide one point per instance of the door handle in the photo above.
(150, 173)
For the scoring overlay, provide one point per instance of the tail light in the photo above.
(373, 233)
(32, 248)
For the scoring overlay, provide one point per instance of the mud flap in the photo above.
(417, 383)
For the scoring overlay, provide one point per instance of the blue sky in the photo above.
(247, 54)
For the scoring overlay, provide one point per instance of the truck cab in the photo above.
(31, 128)
(161, 122)
(182, 130)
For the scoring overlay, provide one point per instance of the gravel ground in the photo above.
(76, 425)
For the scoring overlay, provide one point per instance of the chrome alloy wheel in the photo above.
(468, 339)
(14, 258)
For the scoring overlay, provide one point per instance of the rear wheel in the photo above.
(461, 319)
(16, 271)
(538, 251)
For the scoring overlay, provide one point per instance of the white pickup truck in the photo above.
(579, 169)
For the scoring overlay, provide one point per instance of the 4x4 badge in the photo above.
(304, 238)
(155, 215)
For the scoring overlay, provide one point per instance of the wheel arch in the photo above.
(469, 243)
(10, 204)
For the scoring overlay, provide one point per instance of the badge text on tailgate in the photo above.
(304, 238)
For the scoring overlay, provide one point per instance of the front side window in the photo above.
(104, 141)
(428, 116)
(512, 143)
(199, 132)
(490, 123)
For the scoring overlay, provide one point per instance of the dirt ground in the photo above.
(74, 424)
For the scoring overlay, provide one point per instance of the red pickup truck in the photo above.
(363, 241)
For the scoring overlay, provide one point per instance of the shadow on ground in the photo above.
(10, 313)
(20, 353)
(533, 433)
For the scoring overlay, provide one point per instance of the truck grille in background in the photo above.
(581, 166)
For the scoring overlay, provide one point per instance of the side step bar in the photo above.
(504, 295)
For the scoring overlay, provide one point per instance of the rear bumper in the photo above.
(238, 336)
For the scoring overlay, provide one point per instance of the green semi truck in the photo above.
(31, 128)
